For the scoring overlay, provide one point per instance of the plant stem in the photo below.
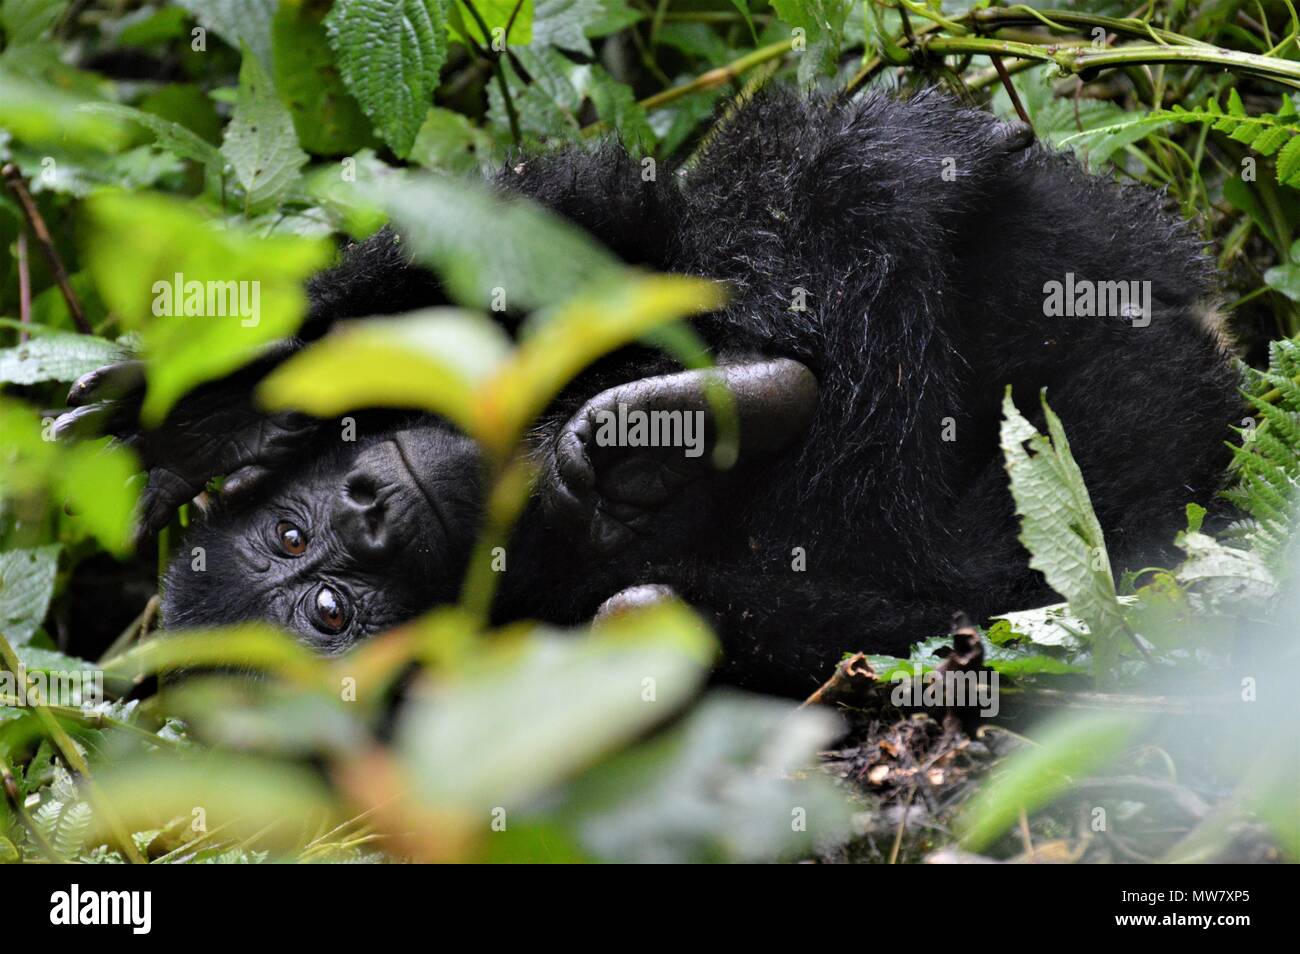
(1066, 20)
(716, 77)
(24, 287)
(1084, 59)
(42, 232)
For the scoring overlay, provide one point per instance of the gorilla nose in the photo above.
(362, 518)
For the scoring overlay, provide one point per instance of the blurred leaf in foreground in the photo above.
(214, 297)
(459, 364)
(494, 252)
(530, 711)
(725, 786)
(1071, 747)
(93, 477)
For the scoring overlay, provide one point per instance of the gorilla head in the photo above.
(361, 536)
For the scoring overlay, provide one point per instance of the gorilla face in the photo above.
(362, 537)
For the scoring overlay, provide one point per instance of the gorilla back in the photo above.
(894, 266)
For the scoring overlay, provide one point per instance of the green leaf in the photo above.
(327, 119)
(243, 646)
(56, 357)
(563, 23)
(171, 136)
(530, 711)
(1285, 278)
(26, 585)
(92, 477)
(390, 53)
(1094, 129)
(27, 20)
(1288, 163)
(480, 243)
(239, 22)
(496, 15)
(1224, 576)
(617, 105)
(37, 113)
(64, 824)
(276, 802)
(823, 24)
(434, 360)
(186, 341)
(449, 142)
(458, 364)
(1053, 626)
(1071, 747)
(1060, 530)
(725, 786)
(260, 142)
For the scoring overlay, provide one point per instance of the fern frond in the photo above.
(1266, 464)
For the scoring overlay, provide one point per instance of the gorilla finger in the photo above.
(106, 383)
(95, 420)
(242, 482)
(165, 492)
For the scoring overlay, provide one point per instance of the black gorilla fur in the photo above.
(925, 298)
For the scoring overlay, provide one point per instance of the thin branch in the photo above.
(1085, 59)
(1165, 47)
(1005, 77)
(19, 188)
(717, 77)
(24, 287)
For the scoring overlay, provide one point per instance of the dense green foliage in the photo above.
(230, 140)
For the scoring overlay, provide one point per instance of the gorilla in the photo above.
(892, 265)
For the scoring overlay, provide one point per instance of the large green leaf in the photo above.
(26, 585)
(173, 137)
(727, 786)
(55, 357)
(390, 53)
(530, 711)
(486, 246)
(239, 22)
(458, 364)
(27, 20)
(260, 142)
(38, 113)
(328, 120)
(92, 477)
(1060, 530)
(434, 360)
(167, 239)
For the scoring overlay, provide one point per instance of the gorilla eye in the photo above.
(292, 540)
(329, 615)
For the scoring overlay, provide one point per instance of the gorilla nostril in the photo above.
(360, 489)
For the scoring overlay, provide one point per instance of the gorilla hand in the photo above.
(213, 431)
(607, 488)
